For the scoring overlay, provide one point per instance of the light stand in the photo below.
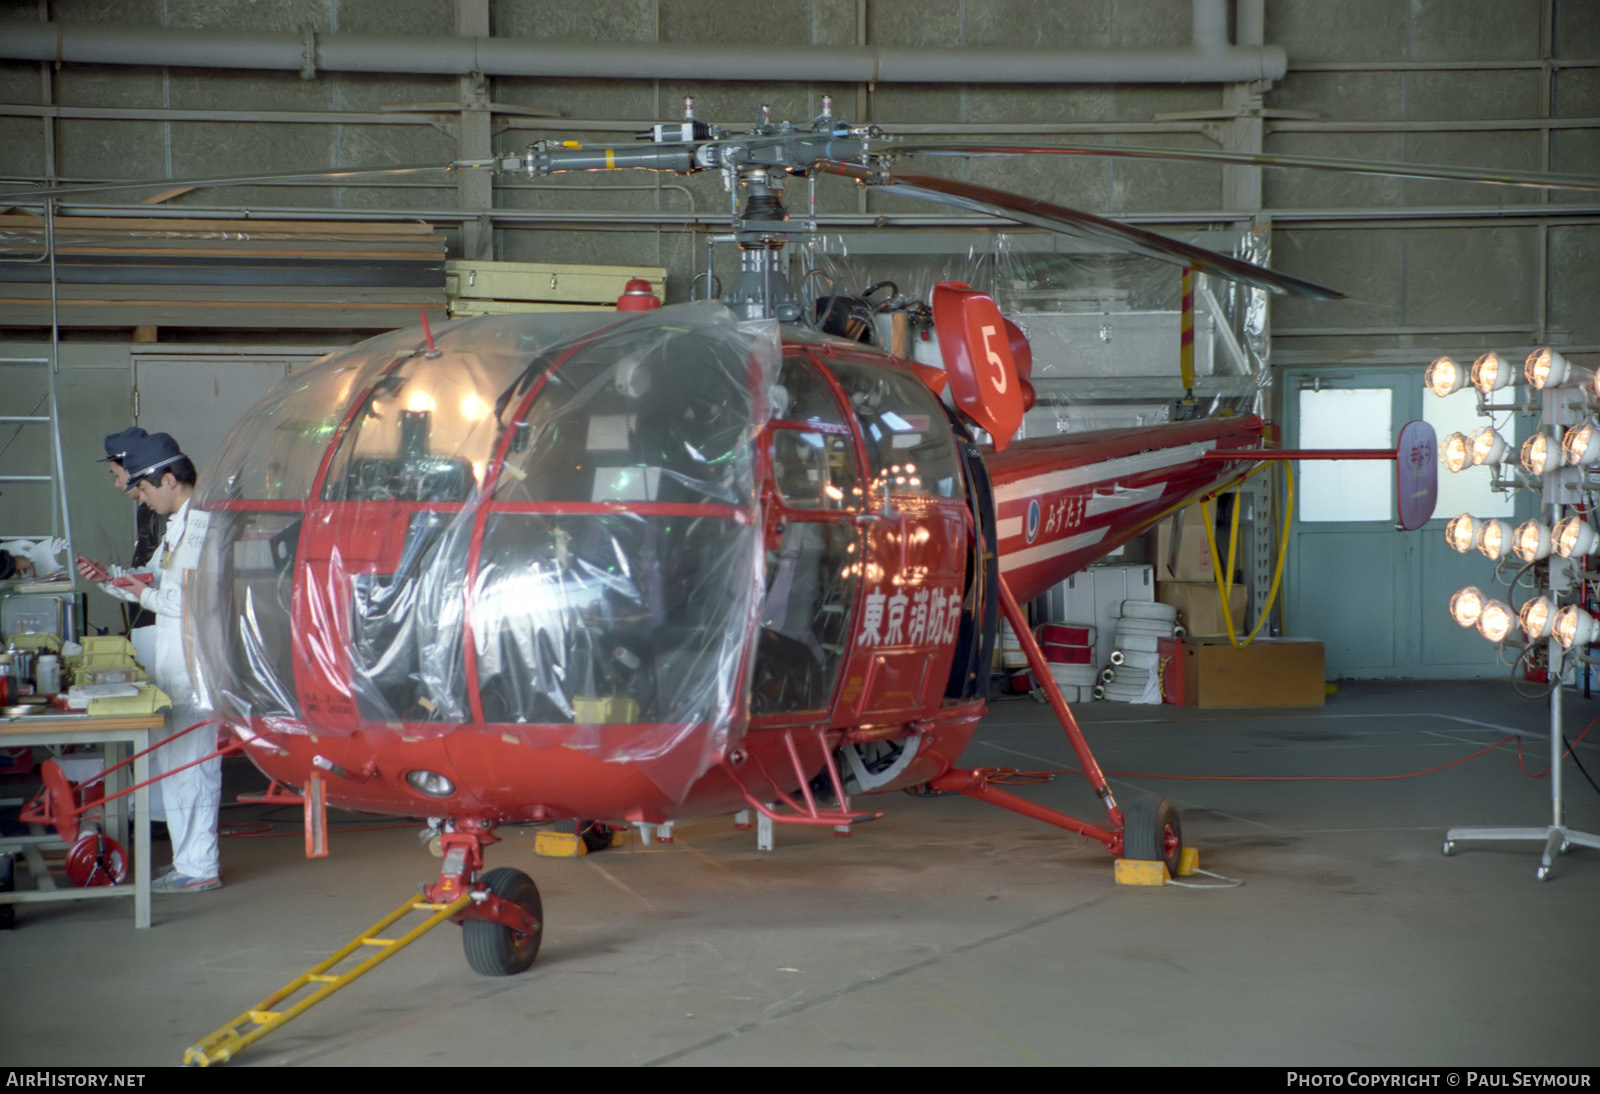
(1556, 836)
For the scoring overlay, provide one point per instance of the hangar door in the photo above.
(1378, 598)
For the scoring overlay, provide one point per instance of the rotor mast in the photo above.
(755, 164)
(761, 230)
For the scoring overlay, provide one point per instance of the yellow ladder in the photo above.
(262, 1019)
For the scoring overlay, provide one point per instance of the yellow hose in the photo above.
(1224, 577)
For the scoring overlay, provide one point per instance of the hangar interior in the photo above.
(944, 932)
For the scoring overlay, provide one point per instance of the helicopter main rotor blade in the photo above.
(330, 175)
(1072, 222)
(1431, 171)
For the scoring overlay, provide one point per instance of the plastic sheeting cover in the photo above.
(1104, 326)
(545, 527)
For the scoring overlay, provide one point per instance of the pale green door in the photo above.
(1376, 597)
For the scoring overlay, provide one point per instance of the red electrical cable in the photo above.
(1012, 775)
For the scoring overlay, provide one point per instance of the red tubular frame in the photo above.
(1304, 454)
(975, 785)
(807, 813)
(45, 808)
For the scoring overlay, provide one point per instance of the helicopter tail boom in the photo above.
(1061, 503)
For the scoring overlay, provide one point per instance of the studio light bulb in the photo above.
(1546, 368)
(1462, 533)
(1573, 627)
(1536, 617)
(1488, 447)
(1574, 538)
(1490, 373)
(1494, 539)
(1456, 452)
(1445, 377)
(1466, 605)
(1532, 541)
(1536, 453)
(1581, 446)
(1496, 620)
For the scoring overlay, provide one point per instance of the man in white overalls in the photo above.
(147, 541)
(163, 478)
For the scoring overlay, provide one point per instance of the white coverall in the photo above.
(144, 652)
(191, 797)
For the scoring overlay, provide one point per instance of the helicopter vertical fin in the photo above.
(976, 345)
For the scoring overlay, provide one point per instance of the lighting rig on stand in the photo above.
(1557, 549)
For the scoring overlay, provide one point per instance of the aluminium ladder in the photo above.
(60, 516)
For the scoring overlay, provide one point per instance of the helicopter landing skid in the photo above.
(975, 784)
(807, 810)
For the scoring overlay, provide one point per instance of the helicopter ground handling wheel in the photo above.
(1152, 832)
(96, 860)
(494, 949)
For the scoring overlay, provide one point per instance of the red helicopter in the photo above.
(674, 561)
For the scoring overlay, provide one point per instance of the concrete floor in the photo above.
(949, 932)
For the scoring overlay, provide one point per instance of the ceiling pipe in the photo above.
(1209, 57)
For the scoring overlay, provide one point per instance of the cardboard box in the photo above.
(1182, 553)
(1270, 672)
(1199, 606)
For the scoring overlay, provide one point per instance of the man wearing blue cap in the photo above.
(147, 535)
(148, 526)
(163, 478)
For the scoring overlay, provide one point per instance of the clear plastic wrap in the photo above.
(1105, 328)
(545, 529)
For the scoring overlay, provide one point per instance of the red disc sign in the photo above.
(1416, 470)
(976, 347)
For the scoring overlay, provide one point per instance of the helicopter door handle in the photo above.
(899, 529)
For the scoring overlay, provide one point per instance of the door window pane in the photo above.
(1346, 490)
(814, 470)
(908, 439)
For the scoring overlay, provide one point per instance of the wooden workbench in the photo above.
(123, 736)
